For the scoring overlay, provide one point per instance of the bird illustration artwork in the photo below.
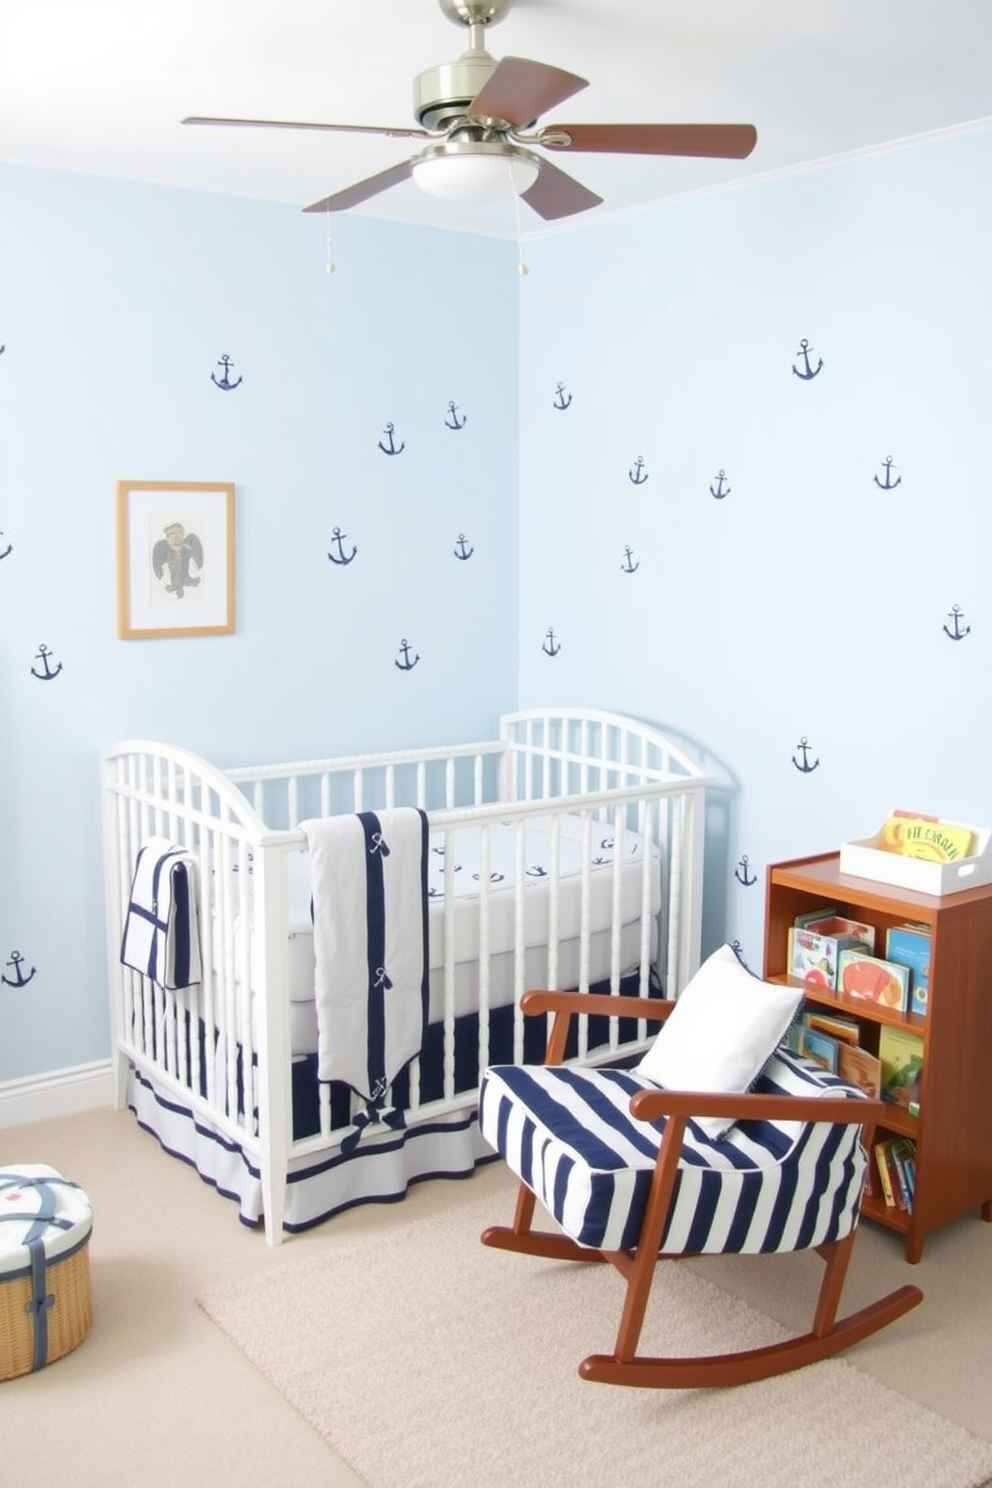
(175, 552)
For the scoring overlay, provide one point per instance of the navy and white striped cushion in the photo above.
(765, 1186)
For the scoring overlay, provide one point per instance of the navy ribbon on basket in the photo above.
(38, 1222)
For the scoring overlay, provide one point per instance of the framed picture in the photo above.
(175, 559)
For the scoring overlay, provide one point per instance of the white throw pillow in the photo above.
(721, 1032)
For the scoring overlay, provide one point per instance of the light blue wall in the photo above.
(116, 303)
(807, 602)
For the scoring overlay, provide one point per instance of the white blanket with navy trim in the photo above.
(368, 877)
(161, 930)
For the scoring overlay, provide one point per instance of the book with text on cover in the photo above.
(926, 837)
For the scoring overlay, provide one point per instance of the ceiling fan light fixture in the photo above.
(476, 172)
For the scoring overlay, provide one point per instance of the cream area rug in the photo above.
(427, 1360)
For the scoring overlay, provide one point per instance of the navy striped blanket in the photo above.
(161, 930)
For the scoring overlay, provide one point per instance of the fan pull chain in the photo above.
(522, 268)
(329, 264)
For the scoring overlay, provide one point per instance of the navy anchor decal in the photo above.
(460, 551)
(338, 536)
(627, 566)
(741, 873)
(550, 648)
(887, 484)
(8, 549)
(20, 979)
(224, 382)
(562, 400)
(957, 634)
(637, 475)
(809, 372)
(406, 665)
(47, 675)
(805, 768)
(454, 422)
(719, 492)
(392, 448)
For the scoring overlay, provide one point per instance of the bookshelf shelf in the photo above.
(953, 1131)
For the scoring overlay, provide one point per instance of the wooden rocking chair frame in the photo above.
(625, 1366)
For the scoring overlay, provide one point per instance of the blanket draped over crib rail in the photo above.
(368, 875)
(161, 932)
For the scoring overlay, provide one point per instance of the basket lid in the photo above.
(36, 1202)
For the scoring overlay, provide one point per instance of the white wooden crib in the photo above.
(567, 853)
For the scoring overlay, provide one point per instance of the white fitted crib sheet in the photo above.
(577, 842)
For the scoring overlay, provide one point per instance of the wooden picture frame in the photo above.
(175, 558)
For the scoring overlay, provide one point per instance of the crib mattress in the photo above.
(465, 847)
(461, 918)
(502, 980)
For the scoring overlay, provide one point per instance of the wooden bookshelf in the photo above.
(953, 1131)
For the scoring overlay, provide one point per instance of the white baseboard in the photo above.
(58, 1093)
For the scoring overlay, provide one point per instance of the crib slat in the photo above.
(448, 1071)
(519, 938)
(485, 860)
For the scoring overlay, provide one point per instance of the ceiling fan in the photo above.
(478, 118)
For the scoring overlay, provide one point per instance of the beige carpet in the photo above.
(429, 1361)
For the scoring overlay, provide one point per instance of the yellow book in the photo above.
(926, 837)
(900, 1053)
(888, 1192)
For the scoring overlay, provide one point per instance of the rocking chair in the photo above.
(633, 1172)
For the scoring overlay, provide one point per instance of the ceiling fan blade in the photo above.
(397, 133)
(520, 91)
(555, 194)
(362, 190)
(722, 141)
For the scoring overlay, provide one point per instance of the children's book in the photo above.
(825, 912)
(895, 1181)
(901, 1056)
(814, 950)
(845, 1030)
(926, 837)
(884, 1173)
(903, 1153)
(872, 979)
(909, 945)
(822, 1049)
(858, 1067)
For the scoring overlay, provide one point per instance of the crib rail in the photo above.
(432, 779)
(222, 1049)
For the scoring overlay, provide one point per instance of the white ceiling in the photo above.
(101, 85)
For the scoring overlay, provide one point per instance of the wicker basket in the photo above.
(45, 1300)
